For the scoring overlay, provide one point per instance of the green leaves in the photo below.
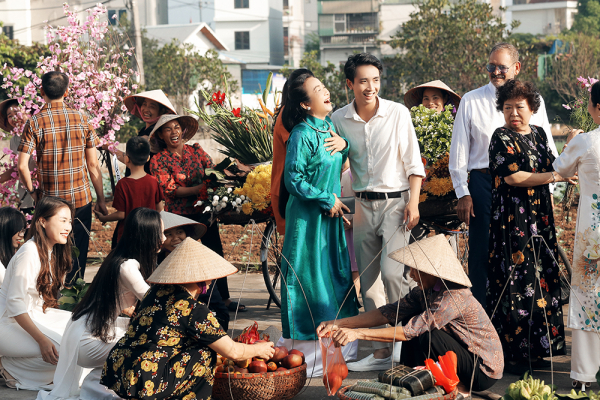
(434, 130)
(72, 296)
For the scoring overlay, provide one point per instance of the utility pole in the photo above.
(139, 55)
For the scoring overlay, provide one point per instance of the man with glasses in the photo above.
(476, 120)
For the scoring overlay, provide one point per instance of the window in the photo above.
(8, 30)
(286, 41)
(242, 4)
(242, 40)
(114, 16)
(286, 4)
(340, 23)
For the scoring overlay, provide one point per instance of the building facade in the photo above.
(542, 17)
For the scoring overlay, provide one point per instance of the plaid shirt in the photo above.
(60, 136)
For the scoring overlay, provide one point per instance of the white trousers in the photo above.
(377, 234)
(22, 358)
(585, 355)
(312, 353)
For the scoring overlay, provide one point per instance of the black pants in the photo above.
(416, 351)
(212, 240)
(81, 221)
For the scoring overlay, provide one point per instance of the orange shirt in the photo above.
(280, 137)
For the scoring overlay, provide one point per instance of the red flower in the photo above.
(554, 331)
(237, 112)
(217, 98)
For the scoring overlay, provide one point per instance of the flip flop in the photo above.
(234, 305)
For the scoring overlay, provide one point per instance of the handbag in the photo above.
(349, 202)
(416, 381)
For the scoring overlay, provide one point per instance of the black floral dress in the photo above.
(165, 353)
(529, 317)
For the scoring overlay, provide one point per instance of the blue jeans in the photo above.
(480, 187)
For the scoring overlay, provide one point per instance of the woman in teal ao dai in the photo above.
(316, 274)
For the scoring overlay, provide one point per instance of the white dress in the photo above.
(21, 355)
(2, 273)
(582, 155)
(83, 355)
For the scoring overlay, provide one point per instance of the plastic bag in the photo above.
(334, 366)
(446, 376)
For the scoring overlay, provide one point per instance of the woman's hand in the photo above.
(343, 336)
(49, 352)
(325, 328)
(338, 208)
(264, 350)
(335, 143)
(572, 180)
(573, 133)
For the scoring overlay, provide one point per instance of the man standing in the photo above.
(476, 121)
(385, 163)
(65, 145)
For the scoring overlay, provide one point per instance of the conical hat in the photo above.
(435, 257)
(414, 96)
(171, 221)
(156, 95)
(189, 127)
(191, 262)
(3, 111)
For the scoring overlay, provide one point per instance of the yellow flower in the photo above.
(173, 341)
(541, 303)
(190, 396)
(199, 370)
(179, 372)
(519, 329)
(144, 320)
(422, 197)
(247, 208)
(118, 364)
(497, 181)
(513, 167)
(439, 186)
(238, 191)
(149, 385)
(182, 305)
(518, 257)
(250, 179)
(147, 365)
(131, 377)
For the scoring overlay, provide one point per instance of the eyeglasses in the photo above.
(503, 68)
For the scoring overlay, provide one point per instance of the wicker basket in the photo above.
(282, 385)
(450, 396)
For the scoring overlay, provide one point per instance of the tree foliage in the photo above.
(587, 18)
(178, 70)
(332, 76)
(445, 41)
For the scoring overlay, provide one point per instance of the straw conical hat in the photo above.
(171, 221)
(189, 127)
(155, 95)
(191, 262)
(435, 257)
(414, 96)
(3, 110)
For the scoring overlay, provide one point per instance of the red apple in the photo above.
(280, 354)
(301, 354)
(292, 361)
(272, 366)
(341, 370)
(257, 366)
(332, 382)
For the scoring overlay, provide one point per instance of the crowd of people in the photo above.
(151, 322)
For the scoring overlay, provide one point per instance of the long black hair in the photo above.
(11, 223)
(141, 240)
(293, 113)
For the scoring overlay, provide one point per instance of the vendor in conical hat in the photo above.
(438, 315)
(149, 107)
(169, 350)
(433, 95)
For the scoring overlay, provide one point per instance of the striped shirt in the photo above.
(60, 136)
(455, 312)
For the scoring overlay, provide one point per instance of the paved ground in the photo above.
(255, 298)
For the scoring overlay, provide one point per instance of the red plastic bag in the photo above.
(446, 376)
(334, 366)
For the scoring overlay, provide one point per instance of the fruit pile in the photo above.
(282, 360)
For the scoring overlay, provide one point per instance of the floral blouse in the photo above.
(173, 171)
(165, 352)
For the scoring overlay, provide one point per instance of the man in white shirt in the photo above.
(476, 121)
(385, 162)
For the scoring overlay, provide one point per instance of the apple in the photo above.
(292, 361)
(280, 354)
(332, 382)
(259, 359)
(257, 366)
(301, 354)
(243, 363)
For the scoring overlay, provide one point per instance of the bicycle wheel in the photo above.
(270, 258)
(566, 272)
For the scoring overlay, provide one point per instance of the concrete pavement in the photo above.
(254, 295)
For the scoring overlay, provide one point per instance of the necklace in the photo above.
(319, 130)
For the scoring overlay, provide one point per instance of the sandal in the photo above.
(9, 381)
(580, 385)
(234, 305)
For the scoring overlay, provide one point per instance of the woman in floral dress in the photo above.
(179, 169)
(168, 351)
(582, 155)
(523, 299)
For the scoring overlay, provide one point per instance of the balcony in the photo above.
(353, 40)
(345, 24)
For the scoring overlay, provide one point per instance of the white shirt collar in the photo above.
(492, 89)
(382, 110)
